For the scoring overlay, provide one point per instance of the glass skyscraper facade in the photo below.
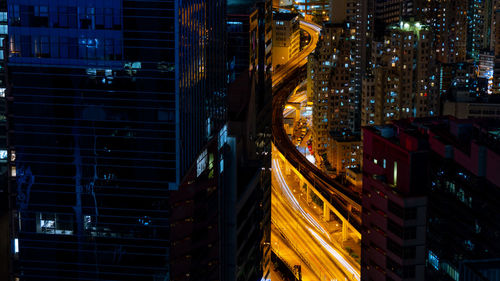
(109, 104)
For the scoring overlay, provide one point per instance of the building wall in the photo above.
(394, 210)
(368, 107)
(345, 154)
(465, 110)
(286, 39)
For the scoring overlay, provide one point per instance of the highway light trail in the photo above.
(314, 26)
(323, 258)
(336, 254)
(288, 111)
(291, 198)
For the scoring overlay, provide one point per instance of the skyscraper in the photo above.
(331, 73)
(402, 85)
(110, 103)
(220, 218)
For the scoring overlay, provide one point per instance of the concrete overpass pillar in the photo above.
(326, 212)
(287, 169)
(344, 230)
(307, 194)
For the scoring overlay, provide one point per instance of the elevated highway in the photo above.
(343, 201)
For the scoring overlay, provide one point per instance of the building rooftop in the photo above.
(459, 133)
(411, 25)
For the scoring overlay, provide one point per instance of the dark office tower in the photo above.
(249, 104)
(109, 104)
(250, 110)
(220, 220)
(4, 205)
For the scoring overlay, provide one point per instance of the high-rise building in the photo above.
(220, 222)
(335, 77)
(423, 212)
(286, 37)
(345, 153)
(465, 92)
(242, 26)
(479, 21)
(109, 105)
(448, 20)
(461, 104)
(402, 84)
(332, 77)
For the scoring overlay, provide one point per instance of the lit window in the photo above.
(395, 173)
(201, 163)
(16, 245)
(3, 154)
(51, 223)
(433, 260)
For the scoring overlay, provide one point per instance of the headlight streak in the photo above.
(291, 198)
(296, 205)
(336, 254)
(277, 77)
